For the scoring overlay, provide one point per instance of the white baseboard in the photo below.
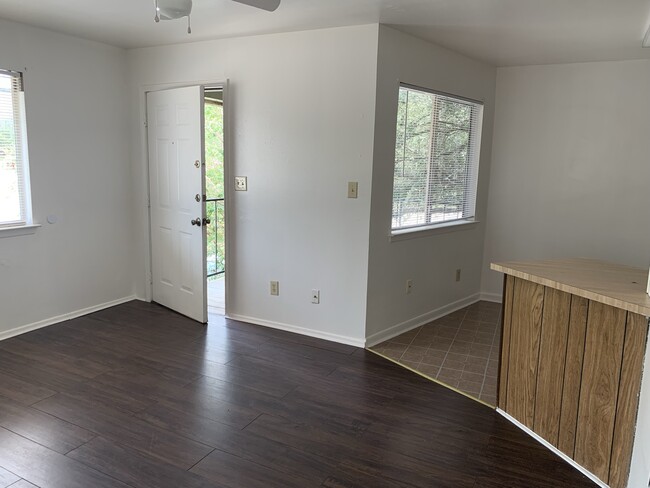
(61, 318)
(425, 318)
(352, 341)
(554, 449)
(491, 297)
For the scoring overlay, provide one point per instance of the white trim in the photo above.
(352, 341)
(18, 230)
(62, 318)
(432, 230)
(553, 449)
(146, 190)
(228, 191)
(425, 318)
(491, 297)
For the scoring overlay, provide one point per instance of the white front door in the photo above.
(176, 180)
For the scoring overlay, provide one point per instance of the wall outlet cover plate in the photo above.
(275, 288)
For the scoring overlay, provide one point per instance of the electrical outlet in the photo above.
(315, 296)
(409, 286)
(275, 288)
(353, 189)
(458, 274)
(241, 183)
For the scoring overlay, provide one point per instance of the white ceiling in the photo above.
(501, 32)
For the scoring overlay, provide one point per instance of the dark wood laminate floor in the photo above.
(139, 396)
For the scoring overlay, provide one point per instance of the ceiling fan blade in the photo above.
(269, 5)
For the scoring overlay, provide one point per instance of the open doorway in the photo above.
(215, 199)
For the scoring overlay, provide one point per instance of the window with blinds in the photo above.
(436, 159)
(14, 182)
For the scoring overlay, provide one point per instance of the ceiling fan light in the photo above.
(173, 9)
(268, 5)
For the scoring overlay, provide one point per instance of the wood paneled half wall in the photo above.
(570, 371)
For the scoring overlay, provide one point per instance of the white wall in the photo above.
(570, 165)
(431, 261)
(80, 172)
(302, 115)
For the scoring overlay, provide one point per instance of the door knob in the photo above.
(206, 221)
(196, 221)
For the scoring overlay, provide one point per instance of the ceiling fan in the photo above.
(176, 9)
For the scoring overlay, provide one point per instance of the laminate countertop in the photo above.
(612, 284)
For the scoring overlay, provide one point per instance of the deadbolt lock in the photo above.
(197, 163)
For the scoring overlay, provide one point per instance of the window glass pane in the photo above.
(449, 162)
(10, 204)
(436, 159)
(411, 157)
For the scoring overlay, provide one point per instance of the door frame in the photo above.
(145, 184)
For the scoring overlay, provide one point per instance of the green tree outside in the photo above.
(214, 186)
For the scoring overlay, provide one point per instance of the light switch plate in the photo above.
(353, 189)
(241, 183)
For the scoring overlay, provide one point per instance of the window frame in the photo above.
(26, 224)
(475, 133)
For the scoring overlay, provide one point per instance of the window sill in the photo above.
(19, 230)
(432, 230)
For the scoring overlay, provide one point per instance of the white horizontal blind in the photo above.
(13, 198)
(436, 158)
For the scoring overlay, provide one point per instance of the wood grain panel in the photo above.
(505, 340)
(636, 332)
(527, 304)
(552, 355)
(599, 390)
(612, 284)
(573, 374)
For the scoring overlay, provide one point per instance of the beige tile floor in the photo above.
(460, 349)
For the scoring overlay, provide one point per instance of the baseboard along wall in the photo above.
(62, 318)
(425, 318)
